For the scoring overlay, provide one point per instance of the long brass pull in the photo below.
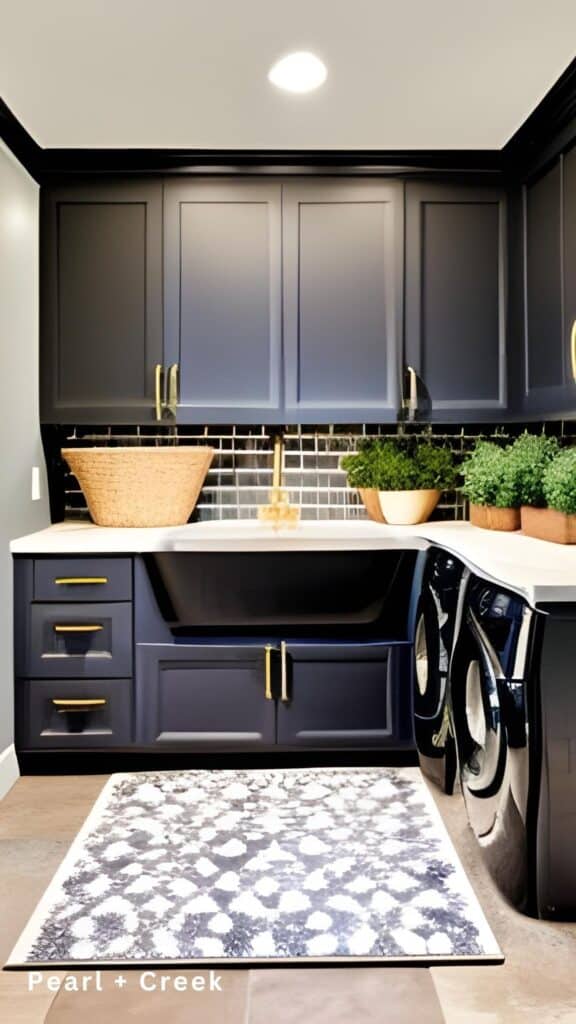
(72, 705)
(78, 629)
(573, 349)
(284, 674)
(158, 375)
(80, 702)
(172, 402)
(80, 579)
(268, 671)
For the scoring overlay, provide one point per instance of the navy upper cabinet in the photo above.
(550, 290)
(101, 302)
(343, 252)
(223, 298)
(456, 298)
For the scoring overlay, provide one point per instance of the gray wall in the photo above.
(20, 446)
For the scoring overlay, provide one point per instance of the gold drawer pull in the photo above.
(158, 380)
(78, 629)
(284, 675)
(268, 669)
(78, 704)
(573, 350)
(80, 579)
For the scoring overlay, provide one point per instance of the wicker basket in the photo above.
(140, 486)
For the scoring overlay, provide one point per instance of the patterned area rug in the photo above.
(282, 865)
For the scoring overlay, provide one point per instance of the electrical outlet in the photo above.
(36, 495)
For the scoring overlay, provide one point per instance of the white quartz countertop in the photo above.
(540, 571)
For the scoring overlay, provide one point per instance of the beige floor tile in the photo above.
(26, 867)
(370, 995)
(17, 1004)
(131, 1003)
(47, 806)
(509, 995)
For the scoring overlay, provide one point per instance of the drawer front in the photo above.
(83, 640)
(70, 713)
(83, 579)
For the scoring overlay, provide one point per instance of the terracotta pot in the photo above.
(371, 502)
(405, 508)
(548, 524)
(491, 518)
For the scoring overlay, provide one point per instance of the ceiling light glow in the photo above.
(298, 72)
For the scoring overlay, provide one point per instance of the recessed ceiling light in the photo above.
(298, 72)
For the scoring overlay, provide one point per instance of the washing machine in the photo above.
(436, 622)
(512, 689)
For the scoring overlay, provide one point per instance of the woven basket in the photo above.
(140, 486)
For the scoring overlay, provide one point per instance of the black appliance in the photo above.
(436, 620)
(512, 690)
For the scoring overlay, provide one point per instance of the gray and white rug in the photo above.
(249, 866)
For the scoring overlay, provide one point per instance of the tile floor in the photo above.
(41, 815)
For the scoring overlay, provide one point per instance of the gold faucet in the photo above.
(278, 512)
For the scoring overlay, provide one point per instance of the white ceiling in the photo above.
(408, 74)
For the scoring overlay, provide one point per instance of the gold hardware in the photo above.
(80, 704)
(81, 579)
(284, 675)
(573, 349)
(411, 403)
(79, 701)
(158, 375)
(278, 512)
(268, 670)
(78, 629)
(172, 401)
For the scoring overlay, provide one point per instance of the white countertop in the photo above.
(540, 571)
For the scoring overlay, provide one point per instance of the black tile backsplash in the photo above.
(240, 477)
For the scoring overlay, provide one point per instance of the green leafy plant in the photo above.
(401, 464)
(528, 458)
(489, 477)
(559, 483)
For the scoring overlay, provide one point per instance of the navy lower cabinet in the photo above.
(345, 695)
(203, 696)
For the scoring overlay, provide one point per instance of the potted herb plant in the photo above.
(400, 479)
(556, 522)
(491, 486)
(529, 456)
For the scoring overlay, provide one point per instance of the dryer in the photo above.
(436, 621)
(512, 687)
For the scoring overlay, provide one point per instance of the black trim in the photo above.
(23, 146)
(554, 113)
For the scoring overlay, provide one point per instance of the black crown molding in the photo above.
(20, 142)
(553, 119)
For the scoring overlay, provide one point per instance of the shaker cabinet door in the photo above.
(203, 697)
(569, 277)
(343, 251)
(456, 298)
(101, 302)
(346, 695)
(223, 298)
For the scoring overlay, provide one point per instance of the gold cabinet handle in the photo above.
(573, 349)
(268, 671)
(78, 629)
(284, 674)
(172, 400)
(158, 376)
(81, 704)
(61, 580)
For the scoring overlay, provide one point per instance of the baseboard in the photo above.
(9, 770)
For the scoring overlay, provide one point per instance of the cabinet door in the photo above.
(101, 312)
(343, 251)
(203, 696)
(346, 695)
(223, 298)
(545, 375)
(456, 298)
